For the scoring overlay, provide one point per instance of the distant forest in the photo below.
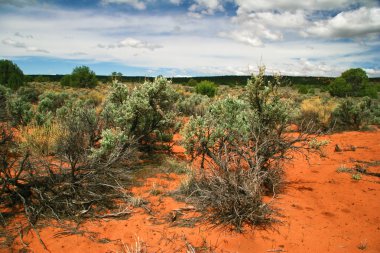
(220, 80)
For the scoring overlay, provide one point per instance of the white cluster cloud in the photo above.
(359, 22)
(133, 43)
(258, 21)
(253, 28)
(253, 36)
(205, 7)
(286, 19)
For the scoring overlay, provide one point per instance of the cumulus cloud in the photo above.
(247, 37)
(137, 4)
(363, 21)
(133, 43)
(255, 28)
(205, 7)
(252, 37)
(287, 19)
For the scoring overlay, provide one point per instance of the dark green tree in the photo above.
(352, 82)
(81, 77)
(11, 75)
(357, 78)
(340, 88)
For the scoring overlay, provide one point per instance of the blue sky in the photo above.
(191, 37)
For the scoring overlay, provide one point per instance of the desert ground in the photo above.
(322, 210)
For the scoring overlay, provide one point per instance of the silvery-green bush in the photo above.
(195, 104)
(143, 110)
(252, 128)
(244, 142)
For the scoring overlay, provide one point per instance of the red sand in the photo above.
(324, 211)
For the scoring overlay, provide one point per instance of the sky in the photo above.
(192, 37)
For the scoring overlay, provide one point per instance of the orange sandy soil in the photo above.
(323, 211)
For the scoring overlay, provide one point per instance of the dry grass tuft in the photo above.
(317, 109)
(41, 140)
(138, 246)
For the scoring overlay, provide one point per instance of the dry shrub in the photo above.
(232, 199)
(45, 188)
(319, 110)
(273, 181)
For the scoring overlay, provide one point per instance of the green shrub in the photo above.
(4, 92)
(50, 101)
(164, 137)
(11, 75)
(148, 108)
(246, 143)
(368, 91)
(19, 111)
(356, 176)
(192, 82)
(14, 108)
(66, 80)
(195, 104)
(113, 143)
(303, 89)
(206, 88)
(78, 125)
(43, 118)
(29, 94)
(353, 114)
